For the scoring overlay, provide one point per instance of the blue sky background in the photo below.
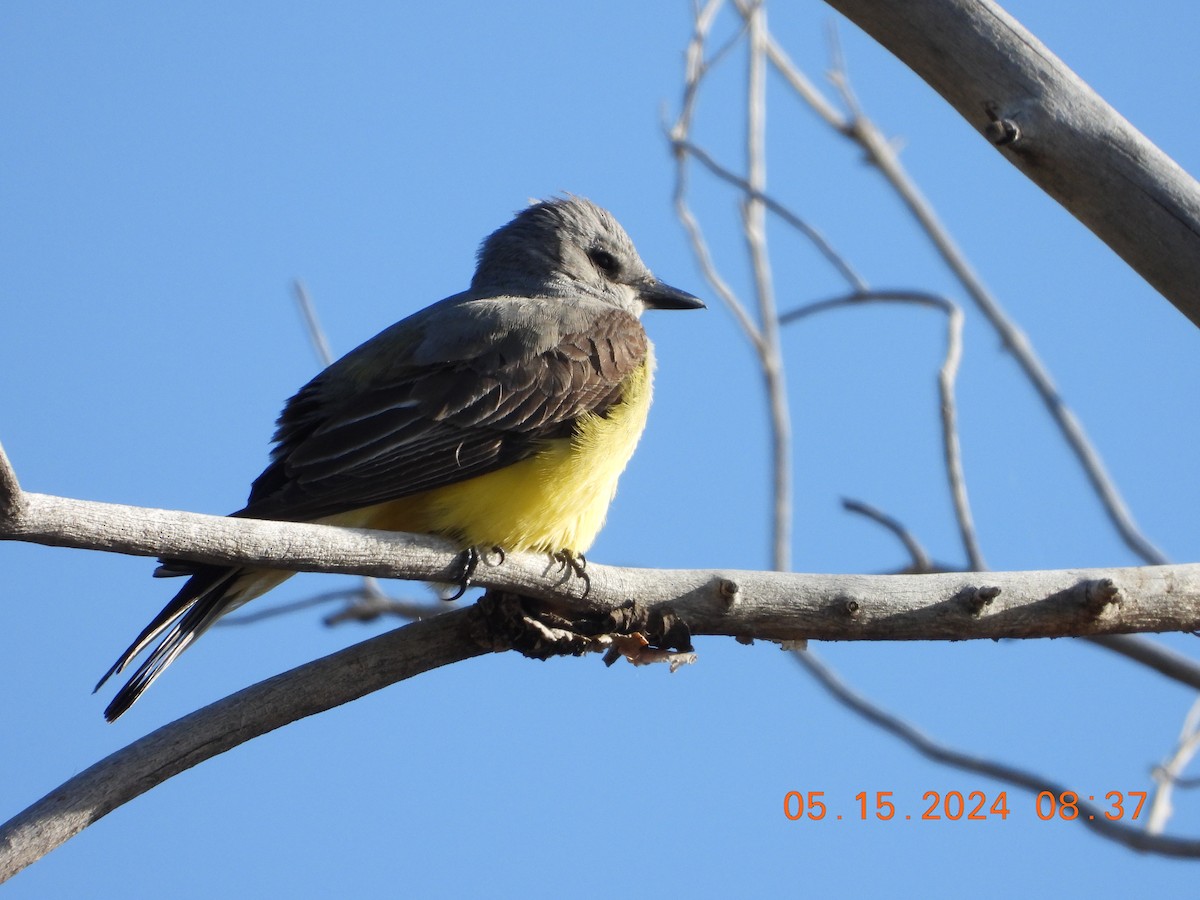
(167, 169)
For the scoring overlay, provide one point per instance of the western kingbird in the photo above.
(498, 417)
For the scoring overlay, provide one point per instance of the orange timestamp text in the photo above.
(971, 806)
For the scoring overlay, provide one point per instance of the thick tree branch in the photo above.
(1052, 126)
(1139, 649)
(301, 547)
(771, 605)
(174, 748)
(784, 606)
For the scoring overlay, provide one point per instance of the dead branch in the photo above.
(772, 605)
(1089, 816)
(781, 606)
(948, 407)
(208, 732)
(1052, 126)
(1168, 776)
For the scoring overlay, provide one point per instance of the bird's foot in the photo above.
(576, 563)
(472, 557)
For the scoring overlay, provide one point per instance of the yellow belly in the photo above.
(555, 500)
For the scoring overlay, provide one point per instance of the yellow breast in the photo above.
(556, 499)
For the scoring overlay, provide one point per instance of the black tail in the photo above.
(200, 603)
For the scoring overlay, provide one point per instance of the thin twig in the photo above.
(707, 267)
(882, 155)
(1090, 816)
(367, 603)
(696, 64)
(920, 559)
(796, 79)
(367, 610)
(316, 334)
(696, 69)
(802, 86)
(951, 445)
(858, 128)
(771, 355)
(374, 602)
(10, 487)
(726, 48)
(814, 235)
(947, 375)
(1153, 655)
(1166, 776)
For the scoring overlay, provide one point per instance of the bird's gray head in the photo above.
(570, 247)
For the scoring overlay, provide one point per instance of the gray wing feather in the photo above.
(456, 391)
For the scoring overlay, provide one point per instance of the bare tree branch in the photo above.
(920, 562)
(1161, 659)
(271, 704)
(365, 603)
(814, 235)
(696, 68)
(370, 601)
(1089, 816)
(1168, 776)
(10, 488)
(1134, 647)
(947, 375)
(778, 606)
(771, 354)
(764, 334)
(316, 333)
(781, 606)
(857, 127)
(883, 156)
(1051, 125)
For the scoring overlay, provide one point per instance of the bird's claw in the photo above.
(472, 557)
(576, 563)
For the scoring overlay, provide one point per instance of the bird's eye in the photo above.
(605, 262)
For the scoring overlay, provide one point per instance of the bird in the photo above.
(499, 417)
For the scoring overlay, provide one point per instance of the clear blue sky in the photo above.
(167, 169)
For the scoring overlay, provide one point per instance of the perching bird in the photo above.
(498, 417)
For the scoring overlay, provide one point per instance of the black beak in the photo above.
(658, 295)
